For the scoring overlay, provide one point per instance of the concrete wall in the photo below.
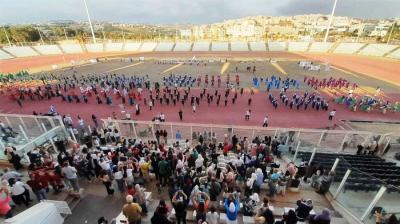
(183, 46)
(48, 49)
(277, 46)
(23, 51)
(201, 46)
(239, 46)
(257, 46)
(220, 46)
(71, 48)
(164, 46)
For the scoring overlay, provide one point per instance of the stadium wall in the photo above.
(375, 50)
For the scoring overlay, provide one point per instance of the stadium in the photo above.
(312, 126)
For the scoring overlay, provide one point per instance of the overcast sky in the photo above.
(185, 11)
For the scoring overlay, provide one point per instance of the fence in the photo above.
(21, 131)
(304, 139)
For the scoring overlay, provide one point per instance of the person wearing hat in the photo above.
(179, 202)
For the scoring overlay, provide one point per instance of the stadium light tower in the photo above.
(330, 21)
(90, 22)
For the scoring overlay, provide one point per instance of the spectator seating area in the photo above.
(368, 172)
(377, 50)
(298, 46)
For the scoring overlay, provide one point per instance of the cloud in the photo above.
(373, 9)
(184, 11)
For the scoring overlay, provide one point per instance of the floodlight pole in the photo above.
(41, 38)
(330, 21)
(90, 22)
(8, 39)
(390, 34)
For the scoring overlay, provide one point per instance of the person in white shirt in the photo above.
(69, 172)
(332, 114)
(20, 192)
(247, 115)
(212, 216)
(265, 123)
(199, 163)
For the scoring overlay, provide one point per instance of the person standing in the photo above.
(69, 172)
(180, 114)
(247, 115)
(179, 202)
(106, 181)
(94, 119)
(332, 114)
(265, 123)
(132, 211)
(19, 191)
(194, 108)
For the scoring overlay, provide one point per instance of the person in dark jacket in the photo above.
(289, 218)
(160, 217)
(303, 209)
(323, 218)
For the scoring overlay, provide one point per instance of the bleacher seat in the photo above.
(222, 218)
(248, 220)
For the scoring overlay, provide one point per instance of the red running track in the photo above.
(230, 115)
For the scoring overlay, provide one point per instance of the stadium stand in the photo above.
(377, 49)
(257, 46)
(4, 55)
(48, 49)
(239, 46)
(183, 46)
(113, 47)
(277, 46)
(148, 46)
(94, 47)
(348, 48)
(201, 46)
(395, 54)
(132, 46)
(373, 166)
(71, 48)
(164, 46)
(298, 46)
(23, 51)
(220, 46)
(320, 47)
